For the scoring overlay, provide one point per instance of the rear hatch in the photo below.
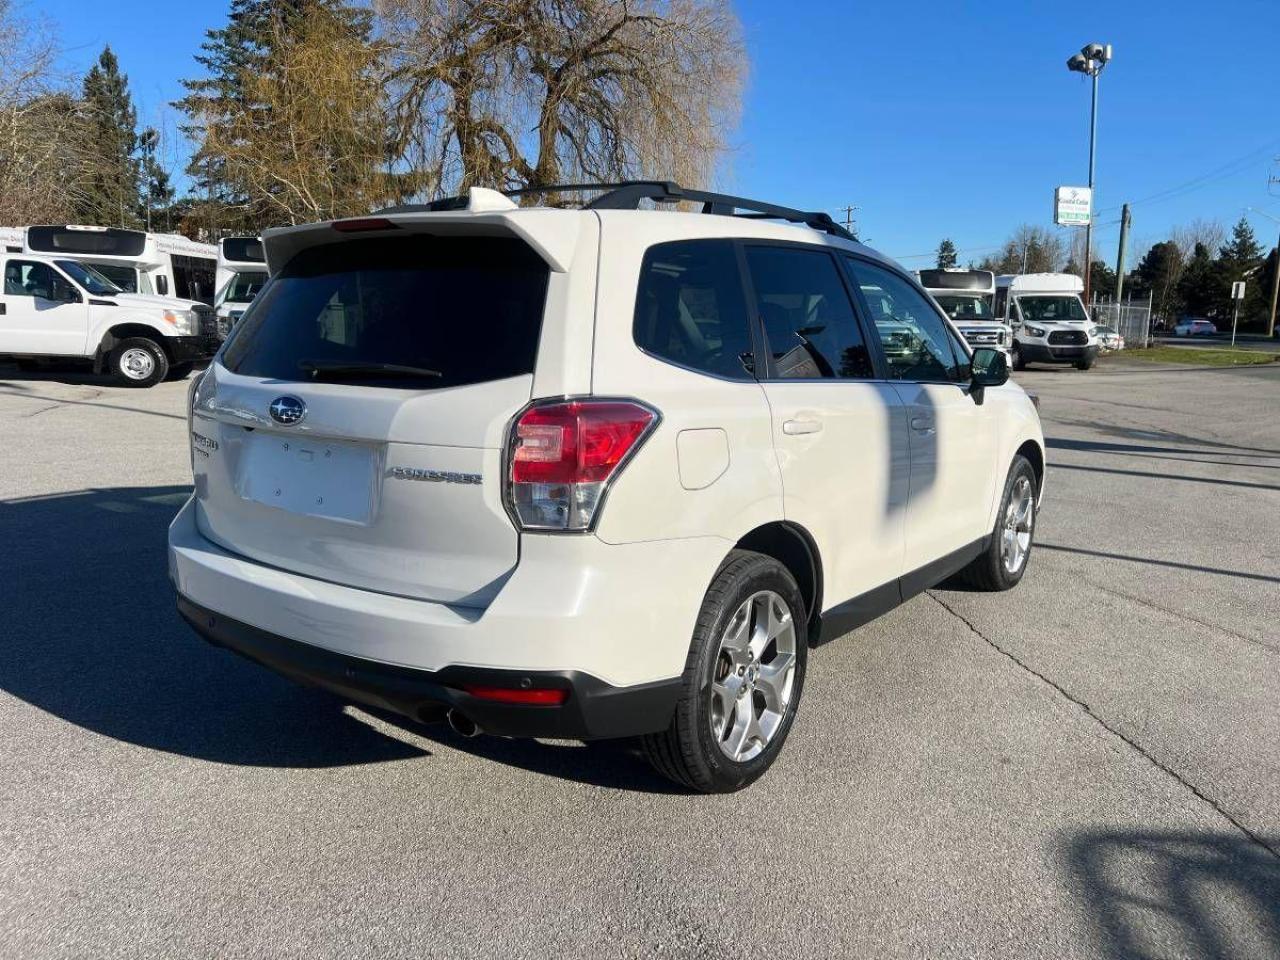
(353, 428)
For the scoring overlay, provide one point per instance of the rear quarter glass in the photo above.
(469, 308)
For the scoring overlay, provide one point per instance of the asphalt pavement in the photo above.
(1087, 766)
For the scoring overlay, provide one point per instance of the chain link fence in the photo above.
(1131, 321)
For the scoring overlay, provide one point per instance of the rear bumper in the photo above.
(592, 710)
(609, 622)
(1044, 353)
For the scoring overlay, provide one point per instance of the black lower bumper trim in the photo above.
(191, 349)
(593, 710)
(1066, 353)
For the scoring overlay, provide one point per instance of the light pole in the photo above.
(1090, 60)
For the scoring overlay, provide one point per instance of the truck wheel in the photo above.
(1084, 364)
(180, 371)
(29, 366)
(138, 362)
(1017, 361)
(1001, 565)
(742, 679)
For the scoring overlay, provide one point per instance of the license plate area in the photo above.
(310, 477)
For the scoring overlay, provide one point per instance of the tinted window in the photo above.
(117, 243)
(806, 314)
(23, 278)
(689, 308)
(193, 278)
(915, 339)
(243, 249)
(469, 308)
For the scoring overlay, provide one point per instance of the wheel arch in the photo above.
(793, 547)
(123, 331)
(1035, 454)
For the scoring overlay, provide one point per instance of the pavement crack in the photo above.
(1218, 628)
(1089, 712)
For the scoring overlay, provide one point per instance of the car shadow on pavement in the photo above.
(1159, 894)
(91, 635)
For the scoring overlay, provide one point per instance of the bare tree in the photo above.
(1211, 233)
(1031, 249)
(509, 93)
(42, 151)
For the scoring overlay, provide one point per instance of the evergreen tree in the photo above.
(1239, 259)
(110, 123)
(947, 254)
(1158, 274)
(235, 58)
(1102, 280)
(1198, 286)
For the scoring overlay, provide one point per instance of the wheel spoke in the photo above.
(744, 729)
(774, 681)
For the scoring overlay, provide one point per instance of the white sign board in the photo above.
(1237, 290)
(1072, 206)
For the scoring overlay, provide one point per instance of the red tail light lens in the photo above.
(543, 697)
(362, 224)
(564, 454)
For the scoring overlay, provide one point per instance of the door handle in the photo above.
(922, 424)
(3, 307)
(794, 428)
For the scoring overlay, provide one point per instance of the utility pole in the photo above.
(1124, 240)
(1275, 292)
(848, 219)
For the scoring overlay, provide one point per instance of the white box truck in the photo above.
(1050, 323)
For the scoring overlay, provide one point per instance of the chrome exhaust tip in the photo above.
(462, 725)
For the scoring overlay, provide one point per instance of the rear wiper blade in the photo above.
(347, 368)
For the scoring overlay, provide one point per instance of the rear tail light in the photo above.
(565, 453)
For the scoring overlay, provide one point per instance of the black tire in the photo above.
(687, 751)
(988, 572)
(1084, 364)
(130, 369)
(1017, 361)
(180, 371)
(29, 366)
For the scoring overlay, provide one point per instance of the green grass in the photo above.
(1197, 356)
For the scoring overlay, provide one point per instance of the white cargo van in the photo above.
(1049, 321)
(968, 297)
(242, 272)
(160, 264)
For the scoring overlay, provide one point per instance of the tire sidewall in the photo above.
(159, 371)
(727, 774)
(1020, 467)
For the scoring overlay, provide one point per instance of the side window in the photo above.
(1002, 299)
(916, 341)
(22, 278)
(689, 308)
(806, 314)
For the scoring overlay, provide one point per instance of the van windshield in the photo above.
(243, 287)
(89, 278)
(965, 306)
(1060, 308)
(456, 311)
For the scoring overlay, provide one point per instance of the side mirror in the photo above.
(990, 369)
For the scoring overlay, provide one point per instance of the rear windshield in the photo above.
(461, 310)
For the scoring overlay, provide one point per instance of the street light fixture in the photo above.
(1090, 60)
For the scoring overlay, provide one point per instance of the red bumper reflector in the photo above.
(511, 695)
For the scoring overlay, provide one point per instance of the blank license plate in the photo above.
(311, 477)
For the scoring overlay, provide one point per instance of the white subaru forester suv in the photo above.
(594, 472)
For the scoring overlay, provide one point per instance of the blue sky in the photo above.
(847, 102)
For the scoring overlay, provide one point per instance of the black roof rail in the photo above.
(628, 195)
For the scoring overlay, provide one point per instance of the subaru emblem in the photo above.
(287, 410)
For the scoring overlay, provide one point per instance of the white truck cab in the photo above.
(58, 308)
(1049, 320)
(968, 297)
(242, 272)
